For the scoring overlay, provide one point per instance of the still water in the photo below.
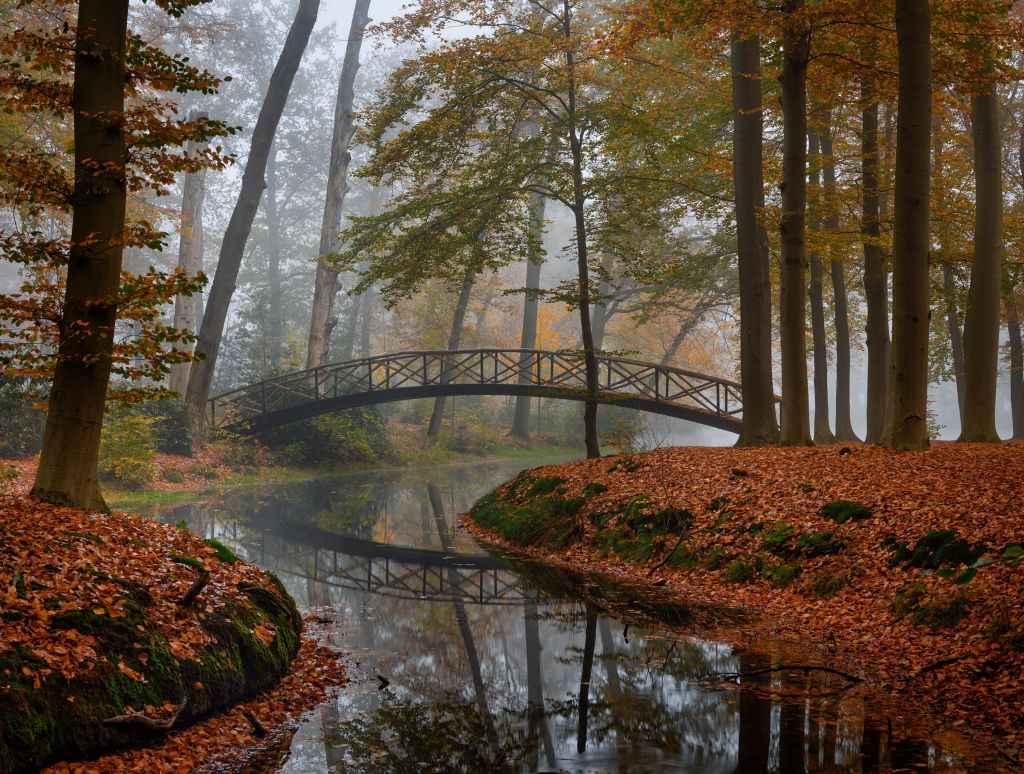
(460, 662)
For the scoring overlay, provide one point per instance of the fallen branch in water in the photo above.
(734, 676)
(145, 721)
(257, 728)
(938, 664)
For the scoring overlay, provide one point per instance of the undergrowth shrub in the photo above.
(127, 448)
(346, 437)
(172, 433)
(21, 421)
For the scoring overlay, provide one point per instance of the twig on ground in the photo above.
(200, 582)
(145, 721)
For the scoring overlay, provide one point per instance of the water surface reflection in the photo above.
(463, 664)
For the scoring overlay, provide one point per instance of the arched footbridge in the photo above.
(659, 389)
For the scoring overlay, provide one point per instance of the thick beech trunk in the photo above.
(844, 423)
(188, 310)
(907, 413)
(876, 291)
(321, 317)
(760, 425)
(981, 327)
(528, 337)
(67, 473)
(275, 298)
(454, 338)
(822, 430)
(237, 233)
(792, 307)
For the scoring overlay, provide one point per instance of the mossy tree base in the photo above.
(57, 719)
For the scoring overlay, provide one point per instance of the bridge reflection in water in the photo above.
(387, 570)
(652, 387)
(508, 675)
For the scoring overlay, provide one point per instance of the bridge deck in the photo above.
(633, 384)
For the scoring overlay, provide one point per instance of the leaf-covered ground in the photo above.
(71, 580)
(916, 608)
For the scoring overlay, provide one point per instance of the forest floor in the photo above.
(906, 568)
(93, 625)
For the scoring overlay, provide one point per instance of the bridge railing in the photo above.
(563, 371)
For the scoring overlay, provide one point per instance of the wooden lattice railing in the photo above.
(406, 375)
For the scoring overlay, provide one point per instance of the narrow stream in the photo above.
(460, 663)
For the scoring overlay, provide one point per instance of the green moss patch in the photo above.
(48, 719)
(549, 519)
(934, 550)
(842, 511)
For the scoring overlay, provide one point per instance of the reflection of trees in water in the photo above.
(526, 663)
(446, 735)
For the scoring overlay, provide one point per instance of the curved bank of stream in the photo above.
(460, 661)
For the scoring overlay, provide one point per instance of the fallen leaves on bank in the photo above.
(228, 742)
(746, 503)
(56, 561)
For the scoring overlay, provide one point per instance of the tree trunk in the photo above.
(67, 472)
(876, 292)
(528, 337)
(1016, 363)
(760, 425)
(602, 311)
(822, 431)
(188, 309)
(792, 308)
(907, 414)
(454, 337)
(582, 257)
(586, 673)
(755, 721)
(237, 233)
(366, 321)
(956, 337)
(844, 424)
(275, 298)
(320, 323)
(981, 327)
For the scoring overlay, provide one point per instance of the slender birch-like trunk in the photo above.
(188, 310)
(322, 319)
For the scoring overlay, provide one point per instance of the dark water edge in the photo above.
(462, 660)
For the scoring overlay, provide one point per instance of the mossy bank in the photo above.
(113, 626)
(906, 568)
